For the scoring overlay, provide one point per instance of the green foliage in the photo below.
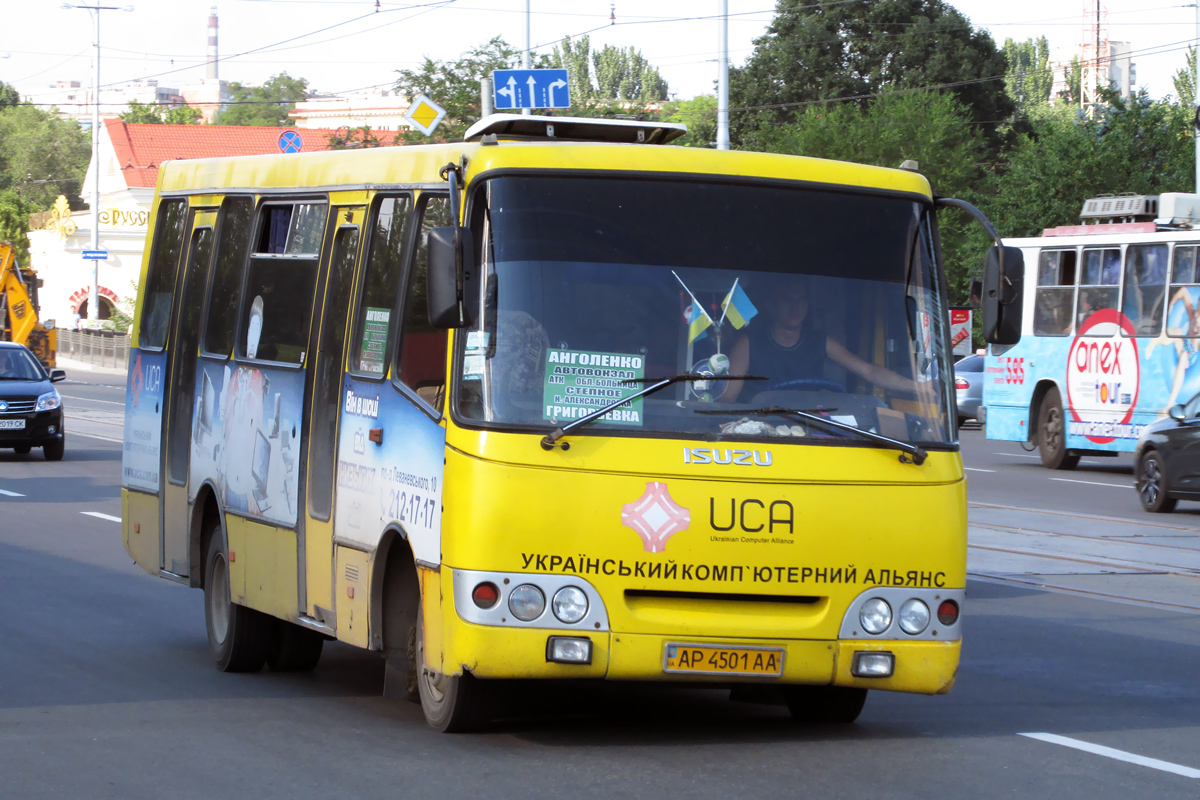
(1073, 94)
(610, 74)
(1136, 145)
(149, 113)
(1029, 77)
(14, 222)
(182, 115)
(268, 104)
(454, 85)
(9, 96)
(358, 138)
(1185, 81)
(816, 52)
(700, 116)
(41, 156)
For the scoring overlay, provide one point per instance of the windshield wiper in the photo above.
(918, 454)
(550, 440)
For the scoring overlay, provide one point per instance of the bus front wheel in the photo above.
(825, 704)
(1052, 433)
(237, 636)
(293, 649)
(452, 703)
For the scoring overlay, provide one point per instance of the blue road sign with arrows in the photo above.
(530, 88)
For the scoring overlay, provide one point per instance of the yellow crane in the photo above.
(19, 309)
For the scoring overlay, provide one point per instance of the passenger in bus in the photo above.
(790, 351)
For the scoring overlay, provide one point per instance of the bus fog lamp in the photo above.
(873, 665)
(569, 650)
(875, 616)
(914, 616)
(526, 602)
(570, 604)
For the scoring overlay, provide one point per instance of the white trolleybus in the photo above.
(1110, 330)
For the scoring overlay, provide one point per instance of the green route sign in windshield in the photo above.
(579, 382)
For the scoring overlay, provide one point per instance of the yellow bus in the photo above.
(560, 401)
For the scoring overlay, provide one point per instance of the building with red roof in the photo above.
(129, 157)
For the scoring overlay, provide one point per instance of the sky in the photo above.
(343, 46)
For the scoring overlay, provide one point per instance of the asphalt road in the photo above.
(107, 689)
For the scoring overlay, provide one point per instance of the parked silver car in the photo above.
(968, 385)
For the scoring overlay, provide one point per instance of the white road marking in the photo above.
(977, 469)
(1015, 455)
(94, 436)
(1095, 483)
(1119, 755)
(98, 515)
(93, 400)
(7, 493)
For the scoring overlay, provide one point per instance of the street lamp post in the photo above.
(94, 296)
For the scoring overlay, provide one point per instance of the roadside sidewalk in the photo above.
(71, 365)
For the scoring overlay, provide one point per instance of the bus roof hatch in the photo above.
(516, 127)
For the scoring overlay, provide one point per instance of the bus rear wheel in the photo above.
(837, 705)
(237, 636)
(1052, 434)
(452, 703)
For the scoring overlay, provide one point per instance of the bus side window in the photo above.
(160, 280)
(1183, 301)
(374, 332)
(1098, 283)
(232, 240)
(1145, 283)
(422, 354)
(1055, 293)
(280, 282)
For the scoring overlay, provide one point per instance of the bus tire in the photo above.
(293, 649)
(825, 705)
(54, 450)
(237, 636)
(1052, 433)
(1151, 476)
(452, 703)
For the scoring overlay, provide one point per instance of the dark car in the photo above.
(968, 386)
(1168, 458)
(30, 407)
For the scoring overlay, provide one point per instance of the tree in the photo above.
(9, 96)
(41, 156)
(14, 222)
(1185, 81)
(823, 51)
(454, 85)
(612, 73)
(268, 104)
(159, 114)
(358, 138)
(1073, 93)
(700, 116)
(1029, 77)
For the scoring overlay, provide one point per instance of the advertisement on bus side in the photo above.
(142, 455)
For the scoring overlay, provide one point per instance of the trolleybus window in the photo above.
(234, 237)
(280, 282)
(1145, 282)
(374, 333)
(590, 282)
(160, 279)
(422, 361)
(1098, 284)
(1055, 293)
(1183, 308)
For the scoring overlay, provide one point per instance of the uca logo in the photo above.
(655, 517)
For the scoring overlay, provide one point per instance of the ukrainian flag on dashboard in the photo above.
(738, 308)
(697, 322)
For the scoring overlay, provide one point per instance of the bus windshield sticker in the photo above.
(374, 340)
(579, 382)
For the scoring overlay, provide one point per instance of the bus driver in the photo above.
(789, 347)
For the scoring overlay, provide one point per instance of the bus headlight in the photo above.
(570, 604)
(875, 616)
(914, 616)
(526, 602)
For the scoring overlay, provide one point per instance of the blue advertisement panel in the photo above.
(142, 455)
(1112, 384)
(246, 428)
(390, 459)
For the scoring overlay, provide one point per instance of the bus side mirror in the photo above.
(1001, 298)
(975, 293)
(449, 265)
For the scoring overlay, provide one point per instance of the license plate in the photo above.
(716, 659)
(12, 424)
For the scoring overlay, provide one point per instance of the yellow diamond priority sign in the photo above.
(424, 114)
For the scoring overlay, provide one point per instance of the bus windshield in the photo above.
(830, 302)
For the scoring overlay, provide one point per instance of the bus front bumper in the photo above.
(921, 667)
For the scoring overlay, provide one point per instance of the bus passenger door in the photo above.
(330, 338)
(183, 345)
